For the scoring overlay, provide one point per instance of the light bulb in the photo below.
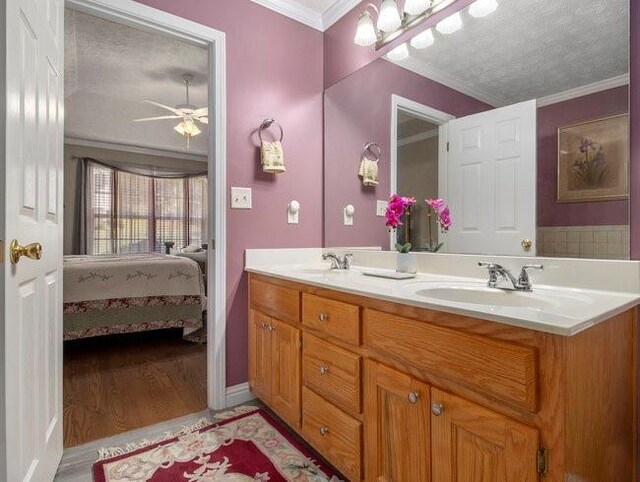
(398, 54)
(449, 25)
(423, 40)
(366, 32)
(482, 8)
(416, 7)
(389, 18)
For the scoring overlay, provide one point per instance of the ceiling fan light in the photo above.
(366, 33)
(482, 8)
(416, 7)
(400, 53)
(389, 18)
(187, 128)
(423, 40)
(449, 25)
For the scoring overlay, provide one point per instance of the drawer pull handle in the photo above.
(413, 397)
(324, 431)
(437, 409)
(323, 317)
(324, 370)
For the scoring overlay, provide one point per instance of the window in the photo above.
(131, 213)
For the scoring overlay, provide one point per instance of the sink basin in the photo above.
(489, 296)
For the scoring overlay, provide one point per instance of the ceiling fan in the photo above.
(186, 112)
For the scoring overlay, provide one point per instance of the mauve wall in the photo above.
(574, 111)
(342, 57)
(274, 69)
(357, 111)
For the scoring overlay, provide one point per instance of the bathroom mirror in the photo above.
(518, 119)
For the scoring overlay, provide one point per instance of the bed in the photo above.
(111, 294)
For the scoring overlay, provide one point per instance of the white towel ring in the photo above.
(374, 148)
(266, 124)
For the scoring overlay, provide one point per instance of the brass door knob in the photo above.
(31, 251)
(526, 244)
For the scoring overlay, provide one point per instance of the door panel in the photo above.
(285, 397)
(491, 181)
(396, 422)
(31, 178)
(470, 443)
(260, 355)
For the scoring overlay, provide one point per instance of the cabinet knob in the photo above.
(264, 326)
(272, 328)
(323, 316)
(413, 397)
(323, 431)
(324, 370)
(437, 409)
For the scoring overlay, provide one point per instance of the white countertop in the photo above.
(550, 309)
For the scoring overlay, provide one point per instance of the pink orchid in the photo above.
(436, 204)
(396, 209)
(441, 208)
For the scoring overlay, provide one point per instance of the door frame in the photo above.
(435, 116)
(137, 15)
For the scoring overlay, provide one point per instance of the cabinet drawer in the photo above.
(332, 372)
(335, 318)
(504, 370)
(336, 435)
(276, 301)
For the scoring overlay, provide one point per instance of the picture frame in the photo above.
(593, 160)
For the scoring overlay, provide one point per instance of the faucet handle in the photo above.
(524, 276)
(347, 260)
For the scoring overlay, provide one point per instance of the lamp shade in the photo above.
(366, 32)
(416, 7)
(449, 25)
(389, 18)
(188, 128)
(423, 40)
(400, 53)
(482, 8)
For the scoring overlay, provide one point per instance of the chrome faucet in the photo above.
(338, 262)
(498, 273)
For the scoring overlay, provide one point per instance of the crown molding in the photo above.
(583, 90)
(336, 11)
(307, 16)
(421, 68)
(294, 11)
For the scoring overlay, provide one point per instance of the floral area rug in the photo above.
(246, 444)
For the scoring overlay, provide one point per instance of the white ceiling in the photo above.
(530, 49)
(110, 68)
(319, 14)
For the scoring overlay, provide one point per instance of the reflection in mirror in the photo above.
(518, 119)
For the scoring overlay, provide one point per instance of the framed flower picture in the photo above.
(593, 160)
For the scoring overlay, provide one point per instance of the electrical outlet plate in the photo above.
(381, 207)
(240, 198)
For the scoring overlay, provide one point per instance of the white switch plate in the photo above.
(381, 207)
(240, 198)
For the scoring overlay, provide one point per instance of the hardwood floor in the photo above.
(119, 383)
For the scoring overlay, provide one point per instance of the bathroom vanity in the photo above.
(398, 391)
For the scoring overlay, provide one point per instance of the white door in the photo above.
(490, 180)
(31, 174)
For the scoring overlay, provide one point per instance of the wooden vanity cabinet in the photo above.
(394, 393)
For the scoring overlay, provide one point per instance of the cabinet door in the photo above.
(473, 444)
(396, 421)
(286, 362)
(260, 355)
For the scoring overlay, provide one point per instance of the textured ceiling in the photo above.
(410, 125)
(110, 68)
(530, 49)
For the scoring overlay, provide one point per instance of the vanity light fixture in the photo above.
(366, 34)
(389, 17)
(423, 40)
(401, 52)
(416, 7)
(450, 25)
(482, 8)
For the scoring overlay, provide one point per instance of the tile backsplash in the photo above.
(594, 242)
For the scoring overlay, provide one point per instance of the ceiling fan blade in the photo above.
(202, 111)
(204, 120)
(158, 118)
(162, 106)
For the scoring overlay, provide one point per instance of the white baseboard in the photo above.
(238, 394)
